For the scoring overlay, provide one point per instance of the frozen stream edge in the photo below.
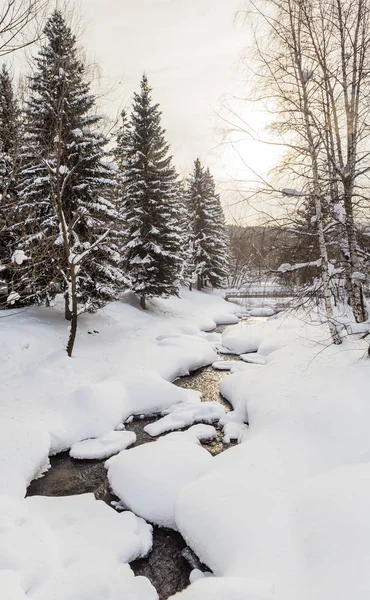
(165, 566)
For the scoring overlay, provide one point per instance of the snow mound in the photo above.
(225, 588)
(243, 338)
(90, 411)
(224, 365)
(96, 580)
(197, 433)
(24, 453)
(225, 319)
(148, 393)
(254, 359)
(264, 311)
(86, 527)
(148, 478)
(103, 447)
(27, 546)
(185, 414)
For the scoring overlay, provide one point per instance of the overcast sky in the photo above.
(191, 53)
(189, 50)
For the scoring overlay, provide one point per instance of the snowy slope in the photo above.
(76, 547)
(289, 506)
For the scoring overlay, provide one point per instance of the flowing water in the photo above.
(165, 566)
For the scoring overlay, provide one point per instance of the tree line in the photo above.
(88, 222)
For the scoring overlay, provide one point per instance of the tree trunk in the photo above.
(353, 283)
(74, 315)
(191, 286)
(199, 283)
(143, 302)
(67, 310)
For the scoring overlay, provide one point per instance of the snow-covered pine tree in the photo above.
(210, 244)
(220, 254)
(187, 265)
(70, 223)
(152, 251)
(10, 134)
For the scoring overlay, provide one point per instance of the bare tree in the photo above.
(16, 17)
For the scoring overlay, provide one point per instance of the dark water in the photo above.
(165, 567)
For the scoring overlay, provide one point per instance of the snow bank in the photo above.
(225, 588)
(23, 456)
(197, 433)
(69, 548)
(90, 411)
(103, 447)
(148, 393)
(185, 414)
(264, 311)
(293, 511)
(148, 478)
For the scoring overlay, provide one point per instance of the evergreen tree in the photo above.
(71, 224)
(10, 133)
(152, 251)
(210, 243)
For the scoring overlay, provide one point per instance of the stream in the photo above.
(165, 566)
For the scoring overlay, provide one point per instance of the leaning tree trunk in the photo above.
(74, 313)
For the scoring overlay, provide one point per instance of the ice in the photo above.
(225, 588)
(185, 414)
(148, 478)
(103, 447)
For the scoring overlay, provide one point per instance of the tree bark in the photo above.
(67, 310)
(74, 316)
(199, 283)
(143, 302)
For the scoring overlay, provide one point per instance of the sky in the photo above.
(191, 52)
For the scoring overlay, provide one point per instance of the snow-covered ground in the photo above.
(282, 516)
(124, 362)
(287, 509)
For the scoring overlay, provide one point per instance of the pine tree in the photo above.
(210, 243)
(71, 224)
(10, 133)
(151, 254)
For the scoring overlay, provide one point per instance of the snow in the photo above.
(185, 414)
(148, 478)
(149, 393)
(225, 588)
(71, 548)
(23, 455)
(197, 433)
(19, 257)
(76, 542)
(264, 311)
(289, 505)
(103, 447)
